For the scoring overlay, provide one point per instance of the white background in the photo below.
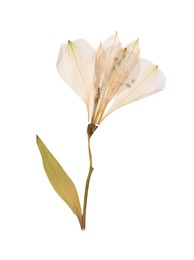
(141, 198)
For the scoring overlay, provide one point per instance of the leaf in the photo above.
(59, 179)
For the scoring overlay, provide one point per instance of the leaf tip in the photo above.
(37, 138)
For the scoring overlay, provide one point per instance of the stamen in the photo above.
(114, 67)
(124, 53)
(129, 84)
(97, 96)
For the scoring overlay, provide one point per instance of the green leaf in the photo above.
(59, 179)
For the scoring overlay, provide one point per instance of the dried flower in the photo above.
(105, 79)
(109, 77)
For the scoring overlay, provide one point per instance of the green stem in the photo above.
(87, 186)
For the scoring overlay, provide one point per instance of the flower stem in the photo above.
(90, 130)
(87, 186)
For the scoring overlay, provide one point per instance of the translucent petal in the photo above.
(149, 81)
(107, 64)
(112, 41)
(76, 62)
(116, 65)
(134, 47)
(131, 77)
(106, 56)
(124, 67)
(114, 69)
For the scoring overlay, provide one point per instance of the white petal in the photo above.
(114, 66)
(149, 81)
(134, 47)
(112, 41)
(104, 63)
(105, 55)
(117, 64)
(131, 77)
(76, 62)
(107, 52)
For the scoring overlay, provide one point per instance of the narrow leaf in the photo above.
(59, 179)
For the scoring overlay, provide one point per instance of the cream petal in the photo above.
(112, 41)
(106, 56)
(125, 67)
(131, 77)
(107, 64)
(149, 81)
(118, 65)
(76, 63)
(134, 47)
(114, 66)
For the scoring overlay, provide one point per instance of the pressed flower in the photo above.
(109, 77)
(106, 79)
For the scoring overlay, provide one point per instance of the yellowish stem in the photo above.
(90, 130)
(87, 186)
